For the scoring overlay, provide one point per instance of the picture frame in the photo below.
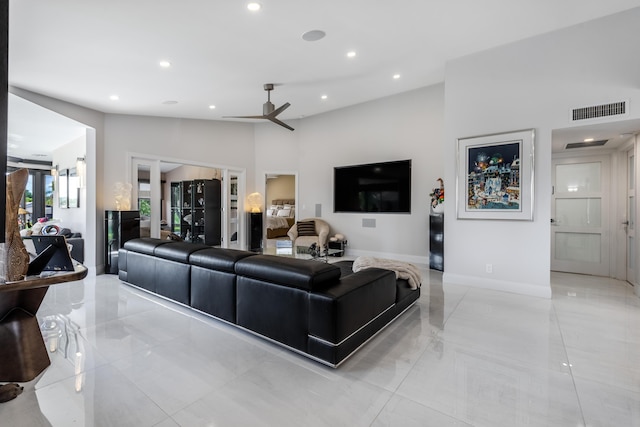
(63, 189)
(73, 181)
(495, 176)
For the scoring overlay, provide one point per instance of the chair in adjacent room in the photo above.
(308, 231)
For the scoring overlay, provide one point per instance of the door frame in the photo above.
(133, 159)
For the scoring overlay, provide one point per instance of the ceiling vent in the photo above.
(599, 143)
(598, 111)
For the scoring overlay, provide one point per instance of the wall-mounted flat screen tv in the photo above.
(375, 187)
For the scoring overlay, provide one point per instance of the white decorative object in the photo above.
(254, 200)
(122, 194)
(339, 236)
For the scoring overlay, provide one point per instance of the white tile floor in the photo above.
(459, 357)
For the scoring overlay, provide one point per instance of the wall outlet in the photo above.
(489, 268)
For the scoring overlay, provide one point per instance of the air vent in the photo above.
(597, 111)
(586, 144)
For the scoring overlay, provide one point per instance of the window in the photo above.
(37, 201)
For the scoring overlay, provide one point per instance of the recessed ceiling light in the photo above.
(169, 102)
(396, 76)
(351, 54)
(114, 97)
(212, 107)
(254, 6)
(165, 64)
(313, 35)
(589, 140)
(323, 97)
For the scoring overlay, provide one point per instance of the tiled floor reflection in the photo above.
(460, 357)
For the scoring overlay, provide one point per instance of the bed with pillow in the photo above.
(281, 215)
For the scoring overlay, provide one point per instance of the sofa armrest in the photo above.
(323, 237)
(293, 232)
(337, 312)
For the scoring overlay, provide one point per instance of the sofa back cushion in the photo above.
(178, 251)
(218, 258)
(295, 273)
(144, 245)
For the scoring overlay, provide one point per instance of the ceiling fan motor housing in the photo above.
(267, 108)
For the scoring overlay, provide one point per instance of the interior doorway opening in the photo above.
(593, 205)
(190, 202)
(281, 190)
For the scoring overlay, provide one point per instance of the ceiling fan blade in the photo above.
(278, 122)
(279, 110)
(243, 117)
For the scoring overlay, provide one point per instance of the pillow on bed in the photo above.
(274, 207)
(306, 228)
(271, 212)
(284, 212)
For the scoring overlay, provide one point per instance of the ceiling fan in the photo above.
(269, 112)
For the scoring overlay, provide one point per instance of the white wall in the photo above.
(196, 142)
(530, 84)
(65, 158)
(405, 126)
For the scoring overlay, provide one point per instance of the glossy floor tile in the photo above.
(459, 357)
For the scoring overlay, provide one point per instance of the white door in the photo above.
(147, 195)
(631, 219)
(580, 215)
(233, 236)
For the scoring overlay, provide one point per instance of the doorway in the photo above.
(580, 215)
(280, 207)
(593, 203)
(152, 194)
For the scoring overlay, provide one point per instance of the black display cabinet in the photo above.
(255, 232)
(199, 210)
(119, 227)
(436, 241)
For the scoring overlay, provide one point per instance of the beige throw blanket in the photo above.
(403, 270)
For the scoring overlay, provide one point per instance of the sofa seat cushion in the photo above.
(218, 258)
(178, 251)
(295, 273)
(145, 245)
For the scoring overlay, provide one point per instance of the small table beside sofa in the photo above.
(323, 311)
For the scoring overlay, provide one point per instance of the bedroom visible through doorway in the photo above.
(280, 206)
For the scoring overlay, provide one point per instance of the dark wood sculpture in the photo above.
(14, 259)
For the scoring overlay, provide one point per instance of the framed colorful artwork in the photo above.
(495, 176)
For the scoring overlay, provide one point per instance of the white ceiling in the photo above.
(35, 131)
(221, 54)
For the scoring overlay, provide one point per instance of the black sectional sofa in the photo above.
(323, 311)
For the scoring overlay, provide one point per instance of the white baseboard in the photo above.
(497, 285)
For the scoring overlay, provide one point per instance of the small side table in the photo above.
(339, 246)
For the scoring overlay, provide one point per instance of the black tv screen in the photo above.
(375, 187)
